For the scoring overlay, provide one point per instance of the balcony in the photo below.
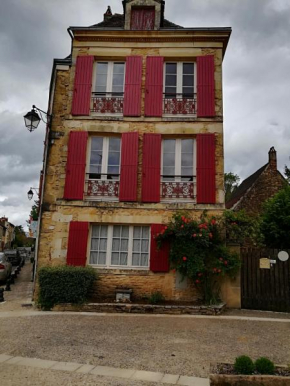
(103, 188)
(179, 104)
(109, 103)
(182, 190)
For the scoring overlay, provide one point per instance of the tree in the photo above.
(275, 224)
(21, 239)
(231, 184)
(287, 173)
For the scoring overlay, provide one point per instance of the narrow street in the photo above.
(177, 345)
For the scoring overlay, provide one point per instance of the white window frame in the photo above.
(104, 169)
(108, 264)
(178, 148)
(109, 86)
(179, 80)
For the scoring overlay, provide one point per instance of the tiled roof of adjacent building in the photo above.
(244, 187)
(117, 21)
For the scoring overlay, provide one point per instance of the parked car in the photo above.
(13, 256)
(5, 268)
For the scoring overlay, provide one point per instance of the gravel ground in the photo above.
(257, 314)
(27, 376)
(172, 345)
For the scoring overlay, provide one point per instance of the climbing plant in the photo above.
(198, 251)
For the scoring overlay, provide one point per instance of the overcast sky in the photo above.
(256, 80)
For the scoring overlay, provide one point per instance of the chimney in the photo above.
(273, 158)
(108, 14)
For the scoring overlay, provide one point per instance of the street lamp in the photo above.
(33, 118)
(30, 193)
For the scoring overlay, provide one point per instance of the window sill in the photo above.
(120, 269)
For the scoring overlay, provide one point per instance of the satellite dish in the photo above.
(283, 256)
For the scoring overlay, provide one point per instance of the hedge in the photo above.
(64, 285)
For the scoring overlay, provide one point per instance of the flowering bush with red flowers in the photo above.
(197, 251)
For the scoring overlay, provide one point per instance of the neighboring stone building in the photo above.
(258, 188)
(136, 135)
(2, 236)
(8, 234)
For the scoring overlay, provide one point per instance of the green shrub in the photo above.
(156, 297)
(244, 365)
(64, 285)
(265, 366)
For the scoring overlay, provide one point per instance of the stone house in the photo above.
(136, 135)
(258, 188)
(2, 236)
(8, 235)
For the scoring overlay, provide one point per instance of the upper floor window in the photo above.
(104, 168)
(105, 158)
(179, 88)
(108, 87)
(178, 168)
(142, 18)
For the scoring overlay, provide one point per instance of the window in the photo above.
(179, 79)
(105, 158)
(109, 78)
(178, 159)
(120, 246)
(142, 18)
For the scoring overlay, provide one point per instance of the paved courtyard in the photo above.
(177, 345)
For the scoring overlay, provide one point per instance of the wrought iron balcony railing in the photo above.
(108, 187)
(179, 104)
(107, 103)
(176, 188)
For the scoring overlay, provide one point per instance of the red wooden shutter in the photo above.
(77, 244)
(154, 86)
(151, 168)
(76, 165)
(132, 97)
(129, 167)
(83, 85)
(159, 258)
(205, 86)
(143, 18)
(206, 185)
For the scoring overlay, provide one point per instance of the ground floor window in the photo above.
(120, 246)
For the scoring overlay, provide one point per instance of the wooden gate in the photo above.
(264, 285)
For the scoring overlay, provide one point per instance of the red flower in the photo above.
(214, 270)
(165, 228)
(194, 235)
(221, 259)
(184, 258)
(210, 236)
(226, 263)
(182, 226)
(183, 218)
(213, 222)
(197, 281)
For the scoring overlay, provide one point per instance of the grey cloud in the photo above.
(256, 79)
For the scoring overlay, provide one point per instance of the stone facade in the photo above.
(57, 213)
(7, 233)
(258, 188)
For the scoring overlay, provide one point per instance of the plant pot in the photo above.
(248, 380)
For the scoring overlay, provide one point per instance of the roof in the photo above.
(117, 21)
(245, 186)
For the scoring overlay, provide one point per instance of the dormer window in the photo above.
(143, 18)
